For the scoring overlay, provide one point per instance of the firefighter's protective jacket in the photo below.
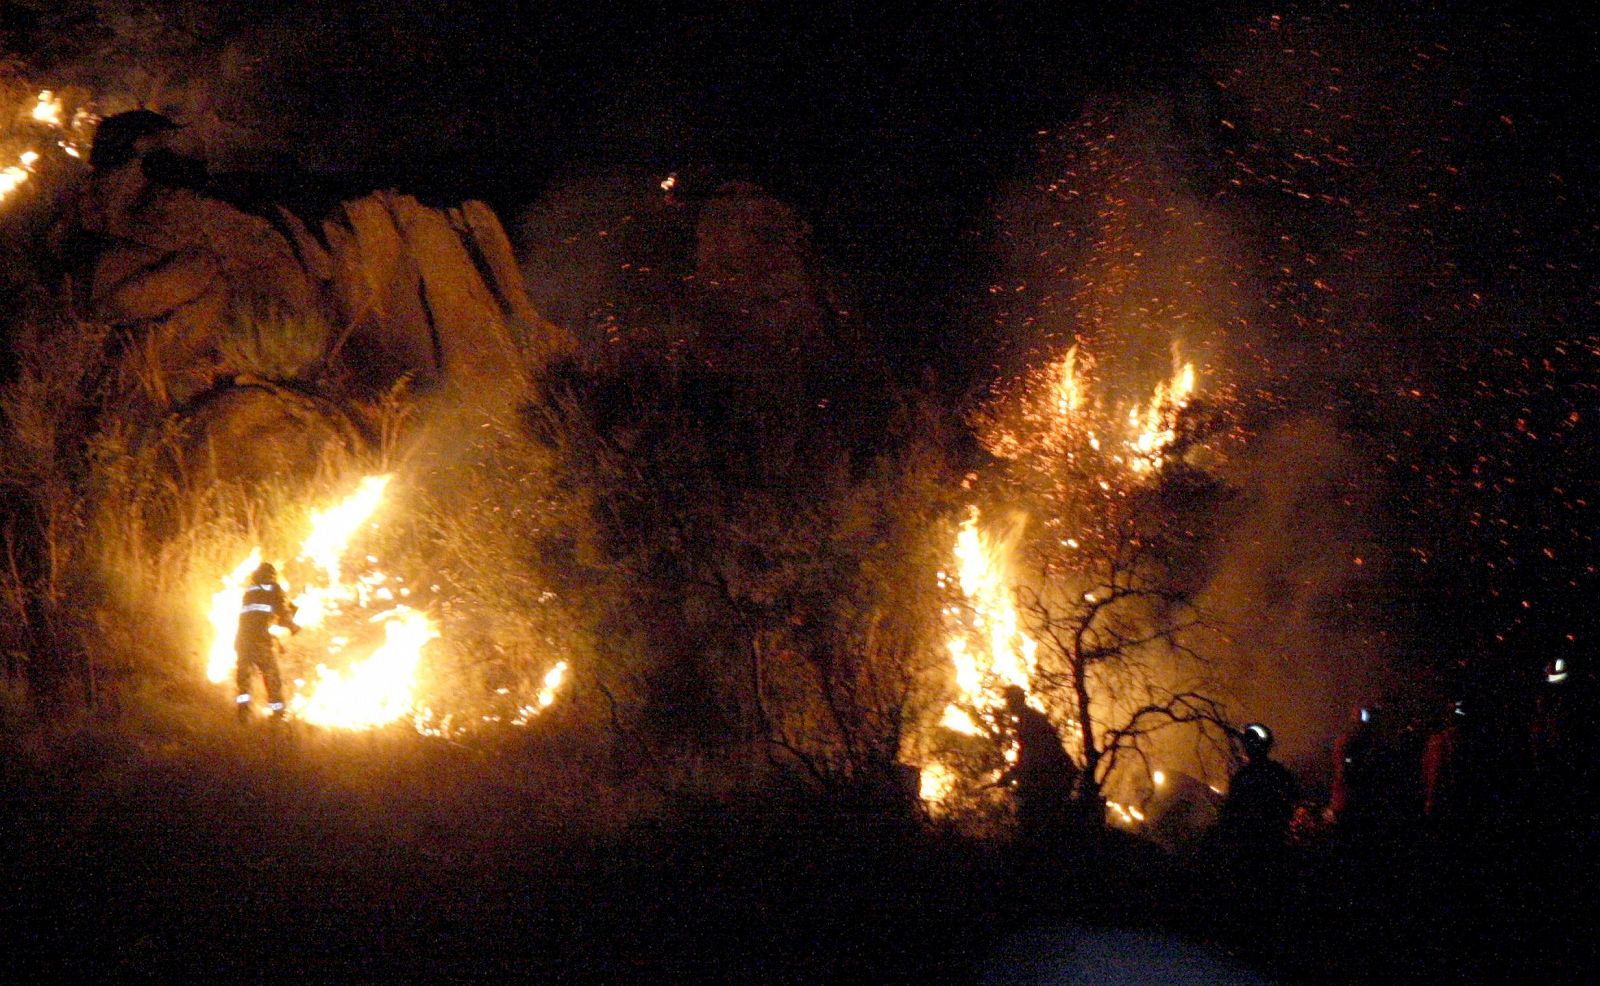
(264, 604)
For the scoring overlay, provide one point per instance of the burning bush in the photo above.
(1086, 600)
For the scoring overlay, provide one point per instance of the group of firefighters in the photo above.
(1448, 773)
(1370, 791)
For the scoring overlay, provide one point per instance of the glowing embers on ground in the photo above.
(47, 111)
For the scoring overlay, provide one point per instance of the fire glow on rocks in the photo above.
(989, 646)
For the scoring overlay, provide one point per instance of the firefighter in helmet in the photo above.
(263, 605)
(1261, 796)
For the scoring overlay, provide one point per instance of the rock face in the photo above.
(204, 295)
(436, 294)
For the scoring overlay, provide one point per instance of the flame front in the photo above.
(377, 690)
(989, 646)
(368, 691)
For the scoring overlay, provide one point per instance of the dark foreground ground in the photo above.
(393, 859)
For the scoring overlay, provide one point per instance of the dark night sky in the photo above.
(892, 129)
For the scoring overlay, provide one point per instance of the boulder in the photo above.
(172, 267)
(391, 289)
(256, 431)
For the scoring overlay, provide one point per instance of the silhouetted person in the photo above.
(1253, 834)
(1375, 794)
(1261, 796)
(1044, 777)
(264, 604)
(123, 138)
(1441, 766)
(1563, 744)
(1359, 797)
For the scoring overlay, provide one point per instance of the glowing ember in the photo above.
(552, 681)
(48, 109)
(547, 694)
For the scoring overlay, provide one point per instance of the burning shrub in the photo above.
(1085, 602)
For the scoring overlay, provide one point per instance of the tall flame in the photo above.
(989, 646)
(989, 649)
(224, 617)
(372, 690)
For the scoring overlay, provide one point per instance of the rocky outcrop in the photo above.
(204, 296)
(433, 293)
(174, 271)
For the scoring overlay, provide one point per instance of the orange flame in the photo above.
(989, 647)
(370, 691)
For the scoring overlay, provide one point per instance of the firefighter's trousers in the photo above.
(258, 653)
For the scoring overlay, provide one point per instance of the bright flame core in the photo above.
(375, 691)
(370, 691)
(991, 650)
(48, 109)
(988, 645)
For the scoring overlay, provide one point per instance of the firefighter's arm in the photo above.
(286, 615)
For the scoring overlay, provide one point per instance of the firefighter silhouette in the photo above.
(264, 604)
(1365, 800)
(1261, 796)
(1044, 778)
(1441, 764)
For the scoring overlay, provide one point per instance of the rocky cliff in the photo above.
(221, 316)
